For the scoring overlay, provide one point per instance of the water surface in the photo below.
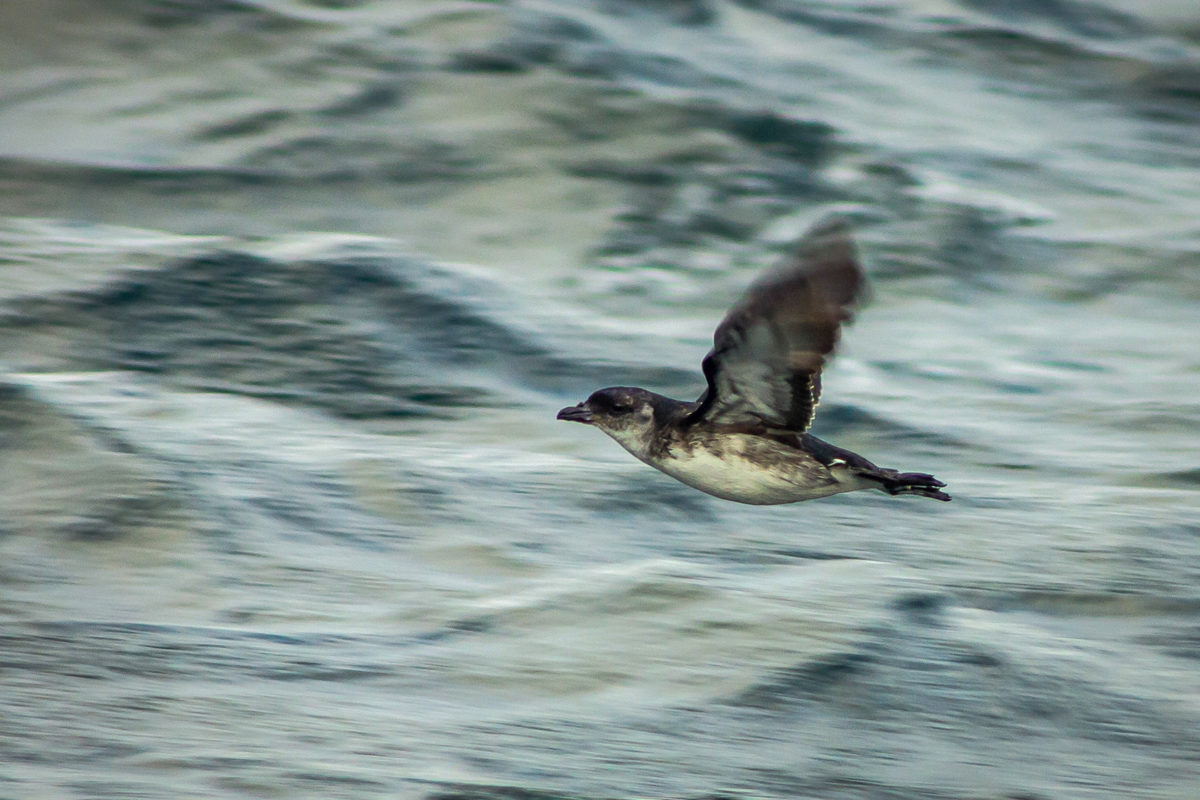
(291, 292)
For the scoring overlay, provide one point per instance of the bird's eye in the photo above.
(624, 402)
(614, 402)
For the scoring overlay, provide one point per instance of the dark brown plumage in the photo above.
(746, 438)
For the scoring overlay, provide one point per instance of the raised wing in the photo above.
(765, 366)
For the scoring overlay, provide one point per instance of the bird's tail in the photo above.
(894, 482)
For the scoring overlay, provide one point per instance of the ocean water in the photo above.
(291, 291)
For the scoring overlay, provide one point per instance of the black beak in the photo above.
(579, 413)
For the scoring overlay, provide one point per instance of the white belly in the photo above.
(731, 476)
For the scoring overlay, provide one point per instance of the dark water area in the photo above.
(291, 291)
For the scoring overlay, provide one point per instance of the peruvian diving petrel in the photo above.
(746, 438)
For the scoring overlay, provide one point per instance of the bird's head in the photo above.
(624, 413)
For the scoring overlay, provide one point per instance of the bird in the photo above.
(746, 437)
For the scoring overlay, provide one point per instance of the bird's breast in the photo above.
(745, 468)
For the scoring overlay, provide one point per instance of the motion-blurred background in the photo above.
(290, 292)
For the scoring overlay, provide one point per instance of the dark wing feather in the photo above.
(765, 365)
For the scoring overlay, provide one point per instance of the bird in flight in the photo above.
(746, 438)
